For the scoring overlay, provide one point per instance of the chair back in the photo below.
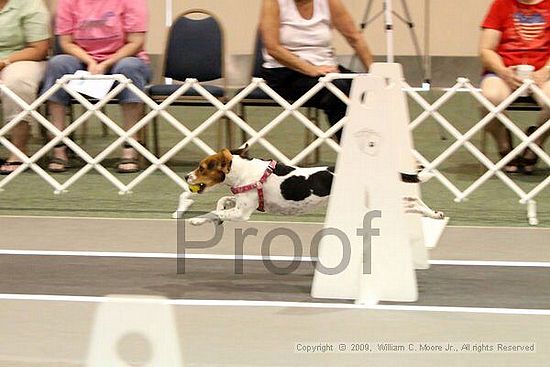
(258, 56)
(195, 47)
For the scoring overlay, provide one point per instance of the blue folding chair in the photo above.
(194, 49)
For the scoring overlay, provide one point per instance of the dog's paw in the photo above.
(438, 215)
(198, 221)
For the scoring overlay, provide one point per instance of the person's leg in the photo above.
(496, 91)
(23, 78)
(132, 106)
(57, 67)
(529, 157)
(292, 85)
(334, 107)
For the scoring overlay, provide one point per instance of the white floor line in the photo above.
(526, 228)
(527, 264)
(164, 255)
(238, 303)
(153, 255)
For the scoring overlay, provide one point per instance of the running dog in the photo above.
(269, 186)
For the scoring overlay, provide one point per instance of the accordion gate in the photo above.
(258, 137)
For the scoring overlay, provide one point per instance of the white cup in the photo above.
(523, 72)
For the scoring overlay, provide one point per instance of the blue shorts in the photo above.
(132, 67)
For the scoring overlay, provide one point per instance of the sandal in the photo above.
(131, 161)
(513, 166)
(61, 165)
(529, 163)
(14, 165)
(58, 164)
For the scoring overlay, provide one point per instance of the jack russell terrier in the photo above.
(269, 186)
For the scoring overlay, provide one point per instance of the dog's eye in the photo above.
(211, 165)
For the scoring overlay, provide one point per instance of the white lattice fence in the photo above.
(463, 140)
(259, 137)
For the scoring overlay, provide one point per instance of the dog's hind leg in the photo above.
(226, 202)
(417, 206)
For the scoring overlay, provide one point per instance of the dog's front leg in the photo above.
(237, 208)
(235, 214)
(224, 203)
(240, 211)
(206, 218)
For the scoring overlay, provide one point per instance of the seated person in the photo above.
(24, 42)
(297, 39)
(103, 37)
(515, 32)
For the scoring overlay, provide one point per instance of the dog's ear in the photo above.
(242, 152)
(225, 160)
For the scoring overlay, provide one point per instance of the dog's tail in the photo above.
(417, 177)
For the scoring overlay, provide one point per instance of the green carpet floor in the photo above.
(492, 204)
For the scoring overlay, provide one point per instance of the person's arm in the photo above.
(269, 28)
(343, 22)
(492, 61)
(69, 47)
(65, 27)
(134, 44)
(34, 51)
(36, 26)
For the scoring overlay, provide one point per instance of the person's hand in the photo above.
(320, 70)
(97, 68)
(509, 76)
(541, 76)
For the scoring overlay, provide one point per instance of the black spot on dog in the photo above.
(409, 178)
(295, 188)
(320, 183)
(282, 170)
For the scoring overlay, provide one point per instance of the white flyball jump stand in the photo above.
(376, 147)
(146, 321)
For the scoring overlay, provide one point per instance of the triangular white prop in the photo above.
(134, 330)
(403, 142)
(367, 178)
(433, 229)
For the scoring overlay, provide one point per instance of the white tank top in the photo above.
(309, 39)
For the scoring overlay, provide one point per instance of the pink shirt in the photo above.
(100, 26)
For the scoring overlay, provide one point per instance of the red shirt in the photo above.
(525, 31)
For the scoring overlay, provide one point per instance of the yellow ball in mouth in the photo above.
(195, 188)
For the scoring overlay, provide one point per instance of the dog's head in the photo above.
(213, 169)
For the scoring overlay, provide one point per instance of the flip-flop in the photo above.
(529, 163)
(133, 161)
(5, 172)
(60, 161)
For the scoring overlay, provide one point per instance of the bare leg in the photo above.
(59, 157)
(496, 91)
(19, 138)
(132, 113)
(529, 157)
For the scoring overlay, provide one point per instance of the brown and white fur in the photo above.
(288, 190)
